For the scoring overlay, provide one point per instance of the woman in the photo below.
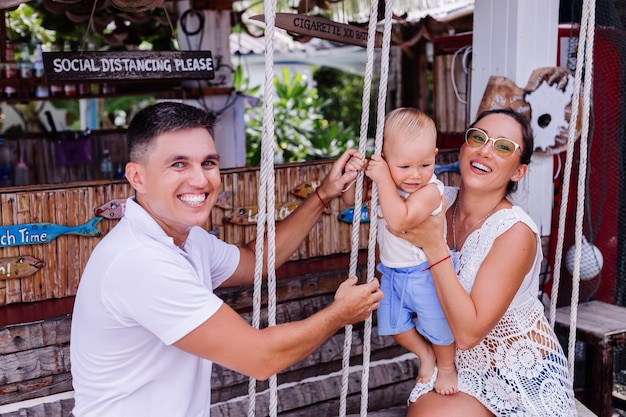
(508, 359)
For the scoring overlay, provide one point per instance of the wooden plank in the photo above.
(57, 408)
(13, 288)
(35, 388)
(583, 411)
(596, 319)
(319, 390)
(37, 363)
(439, 96)
(29, 336)
(601, 326)
(72, 257)
(23, 216)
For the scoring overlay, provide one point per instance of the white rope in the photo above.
(466, 50)
(371, 251)
(584, 59)
(356, 220)
(266, 207)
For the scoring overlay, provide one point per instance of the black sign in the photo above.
(123, 66)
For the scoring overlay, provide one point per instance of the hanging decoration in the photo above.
(323, 28)
(348, 215)
(546, 101)
(105, 18)
(115, 208)
(250, 214)
(112, 209)
(37, 233)
(136, 6)
(10, 4)
(305, 189)
(19, 266)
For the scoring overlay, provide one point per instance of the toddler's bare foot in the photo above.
(446, 383)
(426, 368)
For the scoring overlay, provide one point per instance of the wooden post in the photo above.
(512, 38)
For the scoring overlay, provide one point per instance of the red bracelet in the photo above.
(326, 205)
(436, 263)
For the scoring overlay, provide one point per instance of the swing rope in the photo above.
(266, 207)
(584, 61)
(356, 221)
(378, 147)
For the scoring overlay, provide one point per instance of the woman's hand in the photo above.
(427, 235)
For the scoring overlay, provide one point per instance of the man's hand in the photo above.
(357, 162)
(354, 303)
(338, 178)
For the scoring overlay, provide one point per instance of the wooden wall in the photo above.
(34, 355)
(64, 257)
(73, 204)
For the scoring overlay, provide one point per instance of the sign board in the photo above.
(127, 65)
(323, 28)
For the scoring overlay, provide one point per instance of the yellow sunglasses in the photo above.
(502, 147)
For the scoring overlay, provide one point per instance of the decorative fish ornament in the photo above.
(451, 167)
(37, 233)
(249, 214)
(225, 200)
(19, 266)
(348, 215)
(113, 209)
(306, 188)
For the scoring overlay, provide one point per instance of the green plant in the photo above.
(344, 93)
(26, 23)
(241, 83)
(302, 133)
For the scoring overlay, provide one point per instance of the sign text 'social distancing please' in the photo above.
(124, 65)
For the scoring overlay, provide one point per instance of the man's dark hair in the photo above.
(160, 118)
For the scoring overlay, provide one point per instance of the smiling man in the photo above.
(147, 326)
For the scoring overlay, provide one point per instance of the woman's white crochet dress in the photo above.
(519, 368)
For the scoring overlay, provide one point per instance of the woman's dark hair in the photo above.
(528, 138)
(160, 118)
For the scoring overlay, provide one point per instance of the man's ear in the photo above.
(134, 175)
(519, 173)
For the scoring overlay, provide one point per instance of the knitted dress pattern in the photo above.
(519, 368)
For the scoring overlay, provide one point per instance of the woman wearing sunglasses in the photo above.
(508, 359)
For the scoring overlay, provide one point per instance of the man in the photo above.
(147, 326)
